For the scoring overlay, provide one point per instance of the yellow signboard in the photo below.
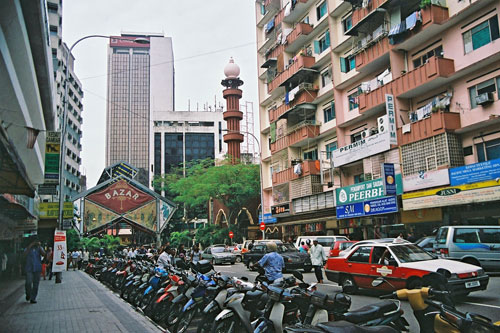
(449, 196)
(50, 210)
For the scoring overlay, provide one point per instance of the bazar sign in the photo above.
(474, 173)
(120, 197)
(449, 196)
(374, 144)
(50, 210)
(426, 179)
(369, 190)
(366, 208)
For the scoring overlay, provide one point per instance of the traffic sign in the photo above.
(262, 226)
(231, 234)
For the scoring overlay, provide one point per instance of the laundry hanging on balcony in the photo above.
(288, 9)
(396, 32)
(270, 26)
(297, 169)
(365, 3)
(412, 20)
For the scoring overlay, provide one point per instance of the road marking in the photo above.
(479, 304)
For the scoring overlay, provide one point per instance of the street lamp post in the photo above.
(260, 170)
(65, 120)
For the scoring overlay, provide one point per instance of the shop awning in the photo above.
(13, 209)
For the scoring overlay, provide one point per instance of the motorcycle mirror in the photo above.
(298, 275)
(377, 282)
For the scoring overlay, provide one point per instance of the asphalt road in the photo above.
(486, 303)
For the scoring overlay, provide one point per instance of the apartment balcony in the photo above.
(298, 36)
(296, 136)
(275, 52)
(438, 123)
(423, 79)
(308, 168)
(271, 4)
(373, 57)
(302, 62)
(362, 16)
(300, 9)
(433, 18)
(307, 95)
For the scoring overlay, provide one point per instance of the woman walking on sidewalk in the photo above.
(33, 254)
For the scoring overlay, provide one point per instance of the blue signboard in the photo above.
(370, 207)
(389, 176)
(474, 173)
(268, 218)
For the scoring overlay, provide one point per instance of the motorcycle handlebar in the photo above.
(389, 296)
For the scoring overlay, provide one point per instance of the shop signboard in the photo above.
(144, 216)
(280, 209)
(267, 218)
(95, 216)
(426, 179)
(369, 190)
(166, 210)
(383, 205)
(474, 173)
(391, 115)
(371, 145)
(450, 196)
(389, 177)
(52, 155)
(60, 253)
(50, 210)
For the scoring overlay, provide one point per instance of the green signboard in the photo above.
(52, 155)
(369, 190)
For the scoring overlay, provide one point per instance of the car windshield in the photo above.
(218, 250)
(411, 253)
(328, 242)
(286, 248)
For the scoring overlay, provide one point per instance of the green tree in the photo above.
(109, 243)
(73, 240)
(92, 244)
(178, 238)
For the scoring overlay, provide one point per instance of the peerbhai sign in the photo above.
(374, 144)
(450, 196)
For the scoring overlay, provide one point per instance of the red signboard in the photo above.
(120, 197)
(231, 234)
(128, 41)
(262, 226)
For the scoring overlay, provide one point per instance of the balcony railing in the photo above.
(439, 122)
(308, 168)
(296, 38)
(303, 131)
(307, 95)
(297, 11)
(418, 81)
(373, 55)
(301, 62)
(360, 13)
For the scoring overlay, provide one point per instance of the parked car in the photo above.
(340, 246)
(325, 241)
(343, 253)
(292, 257)
(218, 255)
(476, 245)
(246, 243)
(426, 243)
(403, 264)
(236, 249)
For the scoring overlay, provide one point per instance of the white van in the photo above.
(325, 241)
(476, 245)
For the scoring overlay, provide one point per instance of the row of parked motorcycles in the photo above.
(174, 297)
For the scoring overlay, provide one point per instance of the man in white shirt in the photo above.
(130, 254)
(165, 259)
(317, 259)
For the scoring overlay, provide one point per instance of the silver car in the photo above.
(218, 255)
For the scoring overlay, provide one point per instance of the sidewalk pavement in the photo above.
(78, 304)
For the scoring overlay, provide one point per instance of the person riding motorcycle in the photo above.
(272, 263)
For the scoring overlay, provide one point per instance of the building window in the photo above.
(311, 154)
(347, 23)
(488, 150)
(359, 178)
(485, 87)
(305, 20)
(356, 137)
(329, 112)
(321, 10)
(481, 34)
(326, 77)
(420, 61)
(330, 148)
(347, 64)
(322, 43)
(353, 100)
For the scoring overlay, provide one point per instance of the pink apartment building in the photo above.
(330, 70)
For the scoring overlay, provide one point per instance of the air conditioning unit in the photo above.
(484, 99)
(365, 133)
(383, 123)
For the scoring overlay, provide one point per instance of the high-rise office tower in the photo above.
(140, 82)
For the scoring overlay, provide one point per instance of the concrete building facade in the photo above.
(348, 85)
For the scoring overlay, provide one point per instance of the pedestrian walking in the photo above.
(74, 259)
(50, 259)
(80, 259)
(302, 248)
(272, 263)
(317, 259)
(195, 254)
(33, 253)
(85, 257)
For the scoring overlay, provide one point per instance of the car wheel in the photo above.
(238, 259)
(471, 261)
(348, 285)
(415, 283)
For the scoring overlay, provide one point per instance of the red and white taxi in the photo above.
(403, 265)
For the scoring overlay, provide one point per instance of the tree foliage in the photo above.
(178, 238)
(108, 242)
(73, 240)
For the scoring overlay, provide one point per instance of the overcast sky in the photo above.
(204, 35)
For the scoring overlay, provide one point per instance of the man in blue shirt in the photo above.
(33, 254)
(272, 263)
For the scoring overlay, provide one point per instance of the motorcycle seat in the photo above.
(253, 295)
(347, 327)
(370, 312)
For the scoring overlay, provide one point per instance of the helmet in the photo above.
(342, 302)
(308, 241)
